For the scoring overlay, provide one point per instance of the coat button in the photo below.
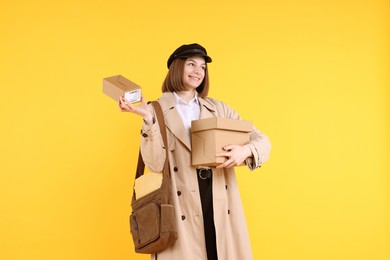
(145, 135)
(175, 169)
(183, 217)
(178, 193)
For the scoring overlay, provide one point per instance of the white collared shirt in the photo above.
(188, 111)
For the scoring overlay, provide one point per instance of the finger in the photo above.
(128, 105)
(143, 100)
(125, 106)
(230, 165)
(220, 166)
(122, 106)
(224, 165)
(229, 147)
(122, 100)
(223, 154)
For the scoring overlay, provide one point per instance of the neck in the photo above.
(186, 95)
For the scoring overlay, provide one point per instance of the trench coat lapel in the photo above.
(206, 110)
(172, 118)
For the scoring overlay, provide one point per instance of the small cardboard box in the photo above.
(117, 86)
(211, 134)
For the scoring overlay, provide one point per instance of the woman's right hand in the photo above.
(142, 109)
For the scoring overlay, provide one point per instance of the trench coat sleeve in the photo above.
(260, 147)
(152, 146)
(259, 143)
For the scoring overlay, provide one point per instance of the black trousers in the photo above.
(205, 180)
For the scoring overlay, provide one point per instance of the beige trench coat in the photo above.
(230, 226)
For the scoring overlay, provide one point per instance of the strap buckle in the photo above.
(205, 173)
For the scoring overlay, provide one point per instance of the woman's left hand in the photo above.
(236, 154)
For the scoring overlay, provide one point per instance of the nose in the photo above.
(198, 69)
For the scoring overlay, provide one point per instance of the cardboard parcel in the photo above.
(117, 86)
(211, 134)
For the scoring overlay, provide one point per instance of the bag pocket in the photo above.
(145, 225)
(168, 223)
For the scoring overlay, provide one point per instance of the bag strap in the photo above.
(163, 130)
(141, 164)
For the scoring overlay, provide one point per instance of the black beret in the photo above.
(189, 50)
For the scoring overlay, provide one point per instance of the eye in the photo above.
(203, 67)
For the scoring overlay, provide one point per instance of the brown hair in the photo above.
(174, 81)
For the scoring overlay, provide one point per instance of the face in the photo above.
(194, 72)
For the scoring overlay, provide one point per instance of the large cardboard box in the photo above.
(117, 86)
(211, 134)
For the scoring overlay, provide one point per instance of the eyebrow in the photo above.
(203, 63)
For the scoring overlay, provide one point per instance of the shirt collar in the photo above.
(181, 101)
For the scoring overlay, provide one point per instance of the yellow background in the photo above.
(312, 75)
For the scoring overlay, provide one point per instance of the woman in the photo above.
(209, 214)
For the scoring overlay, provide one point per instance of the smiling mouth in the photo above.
(194, 78)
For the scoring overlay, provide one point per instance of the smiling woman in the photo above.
(314, 75)
(204, 198)
(194, 71)
(180, 63)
